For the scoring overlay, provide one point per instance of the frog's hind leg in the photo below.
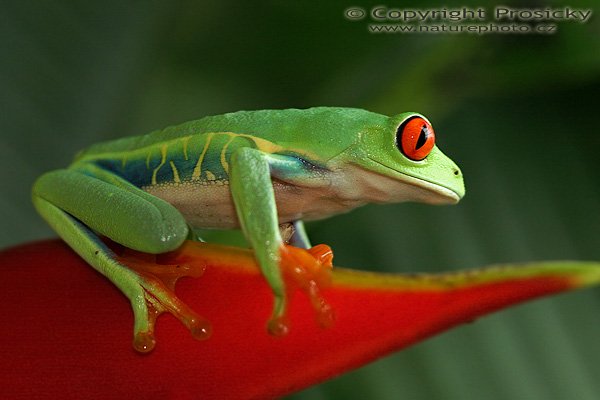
(71, 201)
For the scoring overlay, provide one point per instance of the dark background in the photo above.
(518, 113)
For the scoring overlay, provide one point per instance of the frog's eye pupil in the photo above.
(415, 138)
(422, 137)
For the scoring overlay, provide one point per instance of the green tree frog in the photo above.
(254, 170)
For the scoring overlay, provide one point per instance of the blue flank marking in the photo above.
(292, 168)
(134, 172)
(137, 173)
(285, 165)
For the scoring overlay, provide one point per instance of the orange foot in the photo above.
(306, 270)
(157, 278)
(309, 271)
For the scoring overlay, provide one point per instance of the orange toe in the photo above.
(309, 271)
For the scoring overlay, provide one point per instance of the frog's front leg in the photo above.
(74, 201)
(254, 197)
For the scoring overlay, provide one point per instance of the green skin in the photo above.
(250, 169)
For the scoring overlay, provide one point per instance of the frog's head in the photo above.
(404, 164)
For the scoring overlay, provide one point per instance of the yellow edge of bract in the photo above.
(576, 273)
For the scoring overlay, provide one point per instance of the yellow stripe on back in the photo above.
(163, 153)
(175, 172)
(198, 168)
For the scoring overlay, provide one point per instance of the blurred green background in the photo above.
(516, 112)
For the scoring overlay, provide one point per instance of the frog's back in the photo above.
(332, 126)
(188, 165)
(200, 151)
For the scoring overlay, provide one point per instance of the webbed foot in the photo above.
(309, 271)
(156, 279)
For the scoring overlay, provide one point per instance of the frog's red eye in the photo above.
(415, 138)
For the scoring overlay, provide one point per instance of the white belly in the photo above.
(211, 206)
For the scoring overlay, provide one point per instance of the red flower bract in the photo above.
(66, 330)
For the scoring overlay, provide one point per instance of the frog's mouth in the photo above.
(398, 186)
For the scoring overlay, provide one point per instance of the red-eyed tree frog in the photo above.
(254, 170)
